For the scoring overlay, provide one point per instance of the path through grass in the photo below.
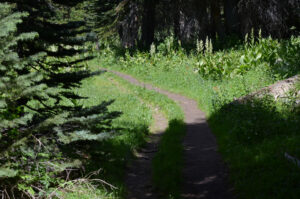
(134, 123)
(252, 140)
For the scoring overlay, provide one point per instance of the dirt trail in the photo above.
(204, 174)
(139, 173)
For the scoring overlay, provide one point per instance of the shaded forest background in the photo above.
(139, 23)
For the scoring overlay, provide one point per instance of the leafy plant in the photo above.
(265, 53)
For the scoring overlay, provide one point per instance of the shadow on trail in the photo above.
(172, 176)
(138, 178)
(206, 176)
(182, 158)
(253, 139)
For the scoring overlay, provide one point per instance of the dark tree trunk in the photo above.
(216, 20)
(292, 10)
(129, 26)
(231, 16)
(272, 16)
(176, 17)
(203, 19)
(148, 26)
(187, 20)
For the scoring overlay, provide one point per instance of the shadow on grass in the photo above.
(110, 155)
(253, 139)
(168, 162)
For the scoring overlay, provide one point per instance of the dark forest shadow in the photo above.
(110, 155)
(253, 139)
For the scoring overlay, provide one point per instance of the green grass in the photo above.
(87, 191)
(113, 154)
(134, 123)
(252, 139)
(168, 161)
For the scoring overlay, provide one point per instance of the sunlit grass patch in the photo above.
(253, 141)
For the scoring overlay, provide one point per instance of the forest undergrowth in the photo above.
(253, 137)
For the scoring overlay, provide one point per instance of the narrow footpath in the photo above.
(139, 174)
(204, 174)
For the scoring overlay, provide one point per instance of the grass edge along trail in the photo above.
(171, 141)
(251, 140)
(256, 170)
(168, 161)
(119, 149)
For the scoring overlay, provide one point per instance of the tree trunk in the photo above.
(272, 16)
(216, 20)
(148, 26)
(203, 17)
(129, 26)
(187, 24)
(231, 16)
(176, 17)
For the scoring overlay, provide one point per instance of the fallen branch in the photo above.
(277, 90)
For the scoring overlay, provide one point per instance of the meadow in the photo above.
(253, 137)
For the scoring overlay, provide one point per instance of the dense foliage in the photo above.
(41, 121)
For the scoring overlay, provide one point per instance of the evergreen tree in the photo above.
(40, 117)
(101, 16)
(15, 85)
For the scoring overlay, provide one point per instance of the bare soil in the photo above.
(204, 174)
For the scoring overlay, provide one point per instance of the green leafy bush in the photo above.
(265, 53)
(280, 57)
